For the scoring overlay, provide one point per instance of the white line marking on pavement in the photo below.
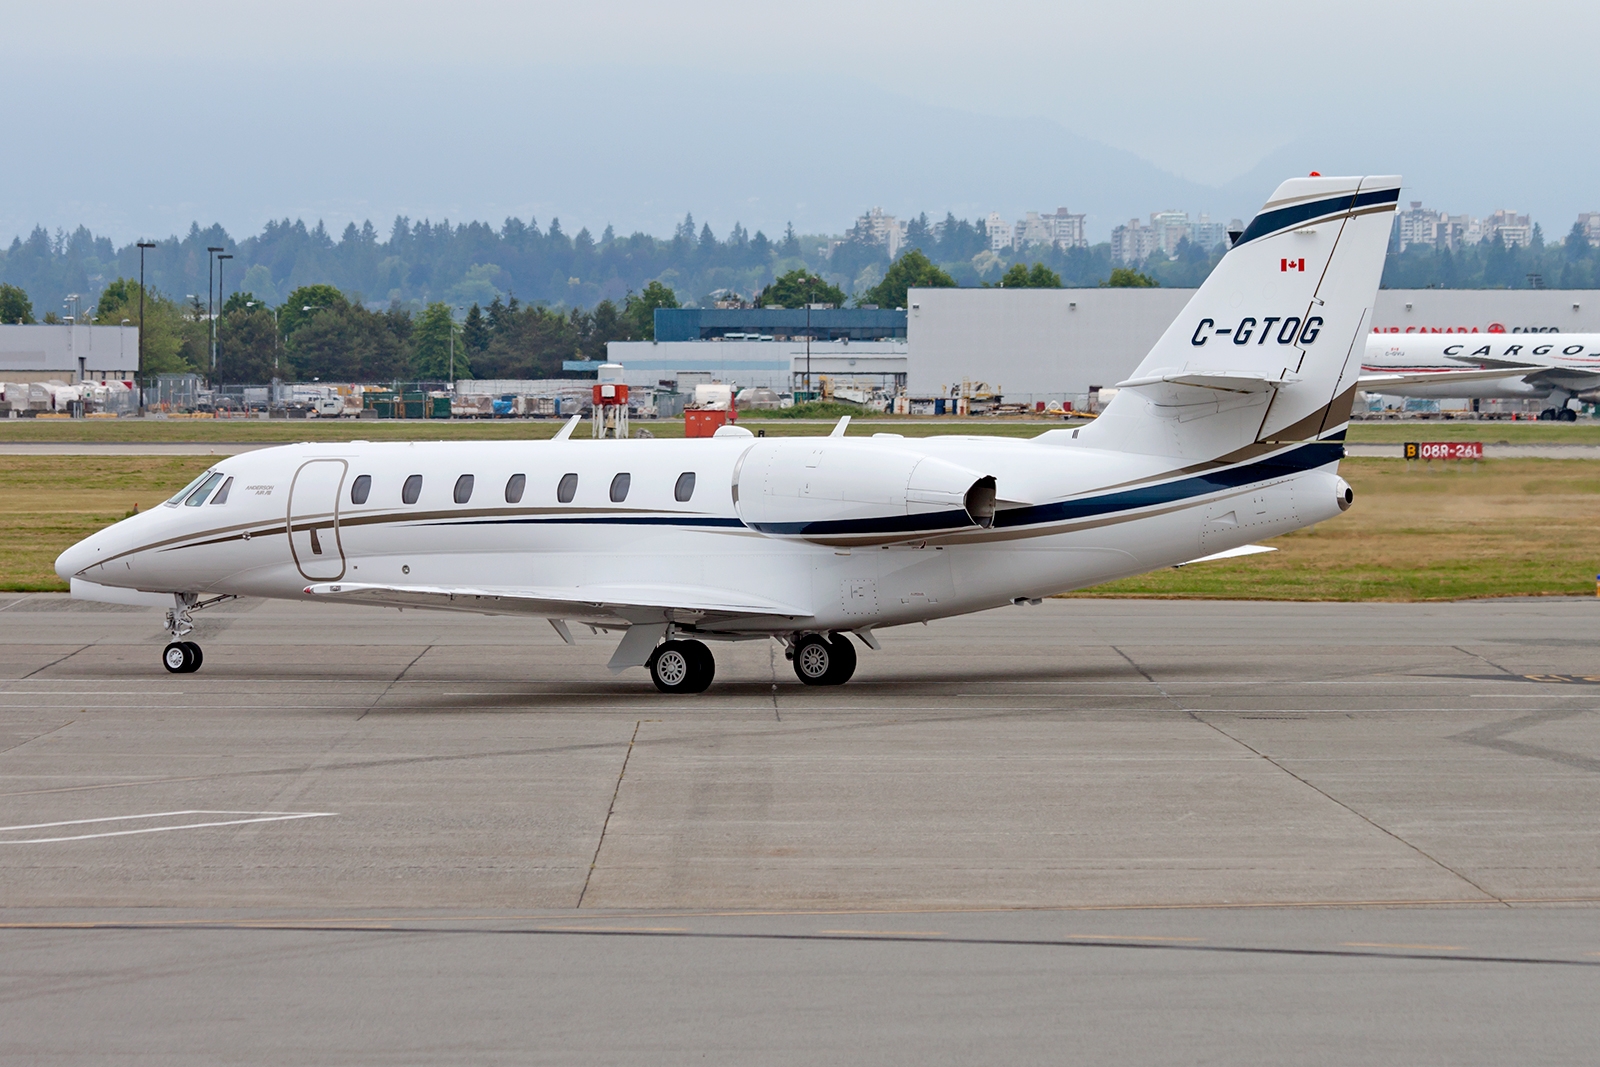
(249, 817)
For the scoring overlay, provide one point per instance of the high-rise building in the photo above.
(1001, 238)
(1170, 227)
(1514, 229)
(1208, 235)
(1133, 242)
(883, 230)
(1590, 221)
(1418, 226)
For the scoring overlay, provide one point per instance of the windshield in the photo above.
(181, 493)
(198, 497)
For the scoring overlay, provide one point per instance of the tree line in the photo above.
(322, 333)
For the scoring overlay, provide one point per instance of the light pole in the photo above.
(215, 339)
(453, 349)
(211, 317)
(274, 311)
(138, 376)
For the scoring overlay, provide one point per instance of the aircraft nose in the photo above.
(75, 559)
(84, 554)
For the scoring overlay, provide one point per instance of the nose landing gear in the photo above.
(185, 657)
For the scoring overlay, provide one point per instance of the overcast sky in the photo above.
(136, 119)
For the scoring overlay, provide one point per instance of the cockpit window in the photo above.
(198, 497)
(222, 494)
(177, 498)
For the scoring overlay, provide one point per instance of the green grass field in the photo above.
(1437, 532)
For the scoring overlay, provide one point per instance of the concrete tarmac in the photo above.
(1099, 831)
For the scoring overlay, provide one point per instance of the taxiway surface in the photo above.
(1102, 830)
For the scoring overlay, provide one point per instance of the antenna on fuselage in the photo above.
(838, 431)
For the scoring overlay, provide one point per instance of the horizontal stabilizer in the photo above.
(622, 604)
(1222, 381)
(1232, 553)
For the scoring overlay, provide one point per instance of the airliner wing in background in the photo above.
(1375, 383)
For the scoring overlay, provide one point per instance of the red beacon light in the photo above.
(1316, 174)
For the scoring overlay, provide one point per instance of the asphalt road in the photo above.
(1089, 831)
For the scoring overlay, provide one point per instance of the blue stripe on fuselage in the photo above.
(1284, 464)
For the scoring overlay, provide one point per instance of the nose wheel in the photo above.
(819, 660)
(682, 667)
(182, 657)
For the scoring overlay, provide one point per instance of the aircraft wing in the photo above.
(616, 604)
(1374, 383)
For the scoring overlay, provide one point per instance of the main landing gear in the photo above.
(820, 660)
(682, 667)
(1558, 415)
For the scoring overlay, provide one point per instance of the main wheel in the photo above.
(1568, 415)
(675, 668)
(815, 660)
(844, 659)
(704, 665)
(175, 657)
(196, 657)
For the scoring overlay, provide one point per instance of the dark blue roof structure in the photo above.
(831, 324)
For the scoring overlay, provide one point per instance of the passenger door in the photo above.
(314, 497)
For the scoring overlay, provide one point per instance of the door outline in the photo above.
(316, 522)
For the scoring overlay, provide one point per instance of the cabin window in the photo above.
(360, 489)
(222, 494)
(464, 488)
(619, 488)
(198, 497)
(177, 498)
(567, 489)
(412, 489)
(514, 487)
(685, 487)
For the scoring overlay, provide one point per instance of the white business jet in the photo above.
(1557, 368)
(1230, 431)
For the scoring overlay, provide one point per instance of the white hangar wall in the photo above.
(1055, 344)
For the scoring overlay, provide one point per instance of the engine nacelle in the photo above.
(838, 491)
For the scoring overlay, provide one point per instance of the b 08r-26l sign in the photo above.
(1444, 449)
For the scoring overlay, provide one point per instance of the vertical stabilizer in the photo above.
(1269, 348)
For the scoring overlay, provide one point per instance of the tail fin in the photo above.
(1269, 348)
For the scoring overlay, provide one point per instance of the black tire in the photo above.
(176, 657)
(814, 660)
(196, 657)
(1568, 415)
(674, 667)
(705, 665)
(844, 659)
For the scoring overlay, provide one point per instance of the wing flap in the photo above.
(629, 604)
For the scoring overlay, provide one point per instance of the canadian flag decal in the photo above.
(1292, 264)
